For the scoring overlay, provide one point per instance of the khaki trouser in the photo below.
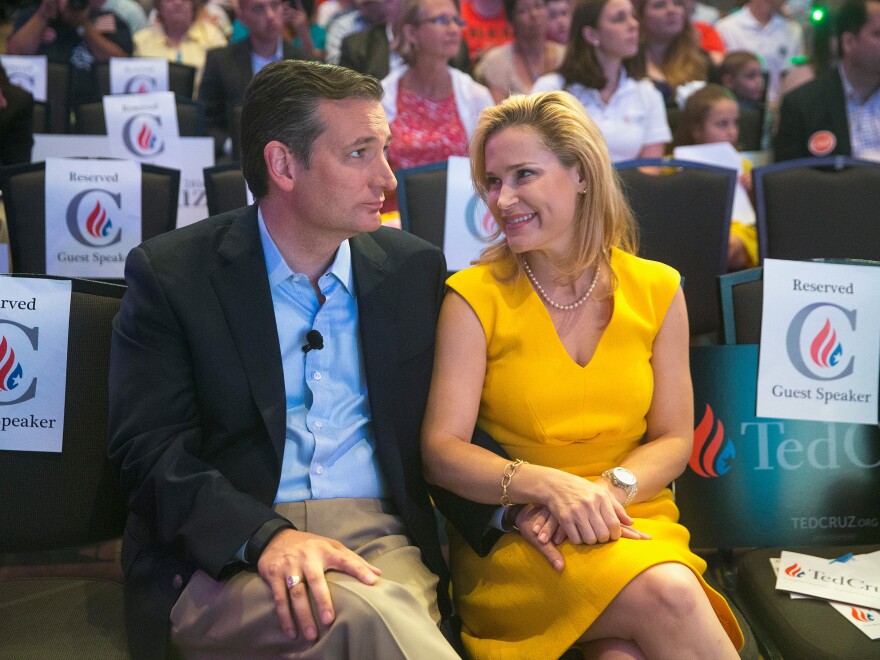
(395, 618)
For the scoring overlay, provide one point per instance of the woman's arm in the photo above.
(669, 437)
(586, 512)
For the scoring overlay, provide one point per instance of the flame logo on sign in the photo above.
(10, 369)
(795, 570)
(712, 456)
(98, 224)
(861, 615)
(146, 140)
(825, 349)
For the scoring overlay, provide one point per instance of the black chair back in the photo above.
(58, 97)
(235, 133)
(225, 188)
(42, 117)
(683, 217)
(421, 198)
(24, 194)
(818, 207)
(751, 128)
(190, 118)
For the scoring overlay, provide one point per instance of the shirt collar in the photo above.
(257, 62)
(279, 271)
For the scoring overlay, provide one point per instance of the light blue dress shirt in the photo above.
(329, 448)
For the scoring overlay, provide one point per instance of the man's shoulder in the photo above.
(229, 52)
(188, 244)
(821, 87)
(397, 244)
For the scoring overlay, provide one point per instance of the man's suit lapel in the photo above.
(376, 315)
(835, 107)
(242, 287)
(244, 69)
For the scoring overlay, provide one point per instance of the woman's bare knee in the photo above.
(612, 649)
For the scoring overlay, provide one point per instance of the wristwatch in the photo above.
(623, 478)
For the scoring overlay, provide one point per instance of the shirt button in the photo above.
(319, 425)
(317, 375)
(320, 469)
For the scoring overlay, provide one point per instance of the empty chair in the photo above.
(24, 194)
(181, 78)
(190, 118)
(225, 188)
(684, 221)
(789, 628)
(42, 117)
(63, 500)
(818, 207)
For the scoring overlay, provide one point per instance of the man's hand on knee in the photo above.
(293, 564)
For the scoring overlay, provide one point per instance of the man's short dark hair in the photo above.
(281, 103)
(851, 17)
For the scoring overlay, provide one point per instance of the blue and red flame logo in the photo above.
(813, 341)
(862, 615)
(142, 135)
(10, 368)
(140, 84)
(795, 571)
(825, 349)
(712, 455)
(479, 220)
(98, 223)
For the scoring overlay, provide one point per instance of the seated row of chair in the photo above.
(806, 209)
(53, 115)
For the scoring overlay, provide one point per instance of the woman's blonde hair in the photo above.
(602, 217)
(683, 62)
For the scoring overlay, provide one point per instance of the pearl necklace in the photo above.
(552, 302)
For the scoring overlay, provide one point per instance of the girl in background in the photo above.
(710, 115)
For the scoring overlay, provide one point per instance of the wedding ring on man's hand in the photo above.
(293, 580)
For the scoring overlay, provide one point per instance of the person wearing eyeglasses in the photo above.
(432, 108)
(513, 68)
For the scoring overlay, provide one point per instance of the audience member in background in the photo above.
(178, 37)
(130, 12)
(228, 70)
(597, 70)
(761, 28)
(559, 20)
(16, 122)
(740, 72)
(370, 51)
(669, 55)
(572, 353)
(839, 111)
(78, 38)
(822, 58)
(513, 68)
(486, 26)
(707, 37)
(219, 12)
(711, 115)
(432, 108)
(367, 14)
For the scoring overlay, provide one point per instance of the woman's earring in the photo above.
(582, 192)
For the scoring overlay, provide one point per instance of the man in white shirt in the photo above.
(759, 27)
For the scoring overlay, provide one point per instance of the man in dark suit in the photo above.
(228, 70)
(269, 373)
(818, 118)
(369, 51)
(16, 122)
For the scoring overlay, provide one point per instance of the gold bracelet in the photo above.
(506, 478)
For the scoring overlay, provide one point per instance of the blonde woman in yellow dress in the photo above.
(573, 354)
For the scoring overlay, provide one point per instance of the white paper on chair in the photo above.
(144, 127)
(865, 619)
(819, 356)
(30, 72)
(34, 323)
(93, 216)
(468, 222)
(138, 75)
(722, 154)
(856, 582)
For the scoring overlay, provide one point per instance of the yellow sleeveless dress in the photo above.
(544, 408)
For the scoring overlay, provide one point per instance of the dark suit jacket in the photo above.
(16, 125)
(819, 105)
(197, 411)
(227, 73)
(368, 52)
